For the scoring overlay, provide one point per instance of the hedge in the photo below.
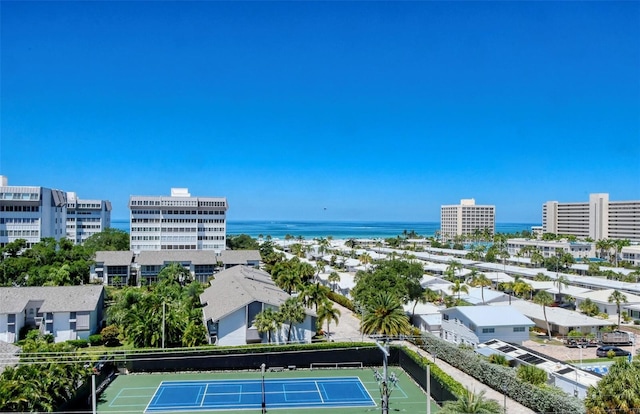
(444, 379)
(543, 399)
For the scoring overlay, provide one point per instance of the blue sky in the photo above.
(324, 110)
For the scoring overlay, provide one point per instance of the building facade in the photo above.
(597, 218)
(466, 218)
(31, 213)
(86, 217)
(178, 222)
(578, 250)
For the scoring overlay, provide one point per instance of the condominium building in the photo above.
(551, 248)
(86, 217)
(31, 213)
(178, 222)
(597, 218)
(465, 218)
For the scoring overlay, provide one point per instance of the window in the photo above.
(488, 330)
(518, 329)
(445, 316)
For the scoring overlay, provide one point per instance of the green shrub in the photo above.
(532, 374)
(341, 300)
(95, 340)
(611, 354)
(78, 343)
(539, 399)
(498, 359)
(111, 335)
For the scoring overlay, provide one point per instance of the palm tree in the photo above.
(470, 402)
(544, 299)
(521, 288)
(617, 392)
(619, 298)
(385, 316)
(458, 287)
(334, 278)
(480, 280)
(559, 282)
(450, 272)
(617, 246)
(365, 259)
(313, 295)
(536, 257)
(267, 321)
(289, 281)
(326, 312)
(292, 311)
(603, 245)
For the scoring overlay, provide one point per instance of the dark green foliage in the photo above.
(242, 242)
(397, 277)
(78, 343)
(48, 263)
(45, 385)
(532, 374)
(108, 239)
(138, 313)
(110, 335)
(95, 340)
(341, 300)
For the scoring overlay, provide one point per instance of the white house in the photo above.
(472, 325)
(601, 298)
(66, 312)
(235, 297)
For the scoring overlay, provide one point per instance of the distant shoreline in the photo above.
(337, 229)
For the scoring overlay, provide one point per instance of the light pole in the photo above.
(264, 402)
(504, 390)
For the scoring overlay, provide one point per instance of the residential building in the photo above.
(561, 321)
(118, 268)
(66, 312)
(86, 217)
(471, 325)
(551, 248)
(31, 213)
(178, 222)
(631, 254)
(113, 268)
(572, 380)
(466, 218)
(597, 218)
(34, 213)
(233, 300)
(601, 299)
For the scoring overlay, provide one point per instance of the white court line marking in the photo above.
(204, 395)
(319, 392)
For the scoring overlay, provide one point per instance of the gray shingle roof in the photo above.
(234, 257)
(197, 257)
(114, 258)
(55, 298)
(236, 287)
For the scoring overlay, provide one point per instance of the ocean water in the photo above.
(337, 229)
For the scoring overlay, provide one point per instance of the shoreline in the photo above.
(338, 230)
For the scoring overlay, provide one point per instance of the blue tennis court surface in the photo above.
(247, 394)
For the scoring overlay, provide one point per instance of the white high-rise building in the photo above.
(178, 222)
(597, 218)
(464, 218)
(31, 213)
(86, 217)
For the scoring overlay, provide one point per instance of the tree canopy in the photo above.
(242, 242)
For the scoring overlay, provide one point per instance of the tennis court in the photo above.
(287, 392)
(250, 394)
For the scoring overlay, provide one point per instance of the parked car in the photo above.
(604, 350)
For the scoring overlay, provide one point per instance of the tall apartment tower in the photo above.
(31, 213)
(463, 219)
(178, 222)
(86, 217)
(598, 218)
